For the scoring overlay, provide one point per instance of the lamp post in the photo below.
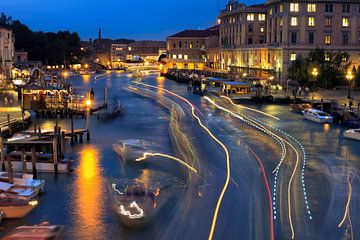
(349, 77)
(314, 73)
(88, 104)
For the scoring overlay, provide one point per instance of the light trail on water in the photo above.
(228, 169)
(347, 208)
(148, 154)
(255, 124)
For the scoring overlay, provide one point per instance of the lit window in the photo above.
(250, 17)
(327, 57)
(328, 22)
(180, 56)
(292, 56)
(311, 7)
(281, 8)
(271, 11)
(328, 39)
(345, 21)
(191, 45)
(294, 21)
(186, 57)
(174, 56)
(294, 7)
(311, 21)
(262, 29)
(261, 17)
(281, 22)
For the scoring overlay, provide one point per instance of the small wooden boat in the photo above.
(44, 162)
(17, 190)
(115, 110)
(39, 232)
(300, 107)
(317, 116)
(137, 205)
(353, 134)
(15, 207)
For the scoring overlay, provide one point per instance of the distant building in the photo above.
(118, 55)
(7, 51)
(193, 49)
(20, 56)
(145, 50)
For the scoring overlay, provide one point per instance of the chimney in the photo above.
(99, 33)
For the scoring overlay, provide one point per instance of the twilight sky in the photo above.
(136, 19)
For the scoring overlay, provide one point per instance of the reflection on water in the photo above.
(89, 195)
(160, 84)
(86, 78)
(145, 176)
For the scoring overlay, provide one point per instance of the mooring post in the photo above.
(23, 118)
(10, 171)
(72, 130)
(39, 131)
(2, 157)
(358, 110)
(88, 135)
(35, 126)
(105, 97)
(55, 154)
(62, 144)
(23, 161)
(59, 141)
(33, 161)
(9, 124)
(81, 138)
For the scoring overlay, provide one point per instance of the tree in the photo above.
(331, 68)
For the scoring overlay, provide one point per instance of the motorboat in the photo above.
(300, 107)
(44, 162)
(18, 190)
(25, 180)
(43, 232)
(137, 205)
(132, 149)
(317, 116)
(15, 206)
(353, 134)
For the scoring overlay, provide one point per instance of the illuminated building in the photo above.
(7, 51)
(193, 49)
(262, 40)
(117, 55)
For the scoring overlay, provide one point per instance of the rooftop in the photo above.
(196, 33)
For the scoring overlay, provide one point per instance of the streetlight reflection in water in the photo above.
(89, 194)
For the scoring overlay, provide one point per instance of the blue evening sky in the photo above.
(136, 19)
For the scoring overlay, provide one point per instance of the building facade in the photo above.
(7, 51)
(117, 55)
(148, 51)
(262, 40)
(193, 49)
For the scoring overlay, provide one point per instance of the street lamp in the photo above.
(88, 104)
(349, 77)
(314, 73)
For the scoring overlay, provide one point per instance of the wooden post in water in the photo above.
(358, 110)
(23, 161)
(23, 118)
(62, 143)
(39, 131)
(2, 157)
(10, 171)
(105, 97)
(9, 124)
(55, 151)
(59, 142)
(72, 130)
(33, 161)
(35, 126)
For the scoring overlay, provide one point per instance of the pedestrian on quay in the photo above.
(299, 91)
(307, 91)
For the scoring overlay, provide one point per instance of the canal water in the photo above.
(81, 200)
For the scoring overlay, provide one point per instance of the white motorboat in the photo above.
(25, 180)
(45, 232)
(44, 162)
(17, 190)
(353, 134)
(317, 116)
(132, 149)
(137, 205)
(15, 207)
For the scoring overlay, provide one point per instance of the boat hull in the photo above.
(42, 167)
(352, 136)
(16, 211)
(318, 120)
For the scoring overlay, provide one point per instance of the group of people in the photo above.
(305, 90)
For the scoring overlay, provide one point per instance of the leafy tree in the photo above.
(331, 68)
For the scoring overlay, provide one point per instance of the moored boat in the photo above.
(15, 207)
(25, 180)
(44, 232)
(353, 134)
(300, 107)
(317, 116)
(44, 162)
